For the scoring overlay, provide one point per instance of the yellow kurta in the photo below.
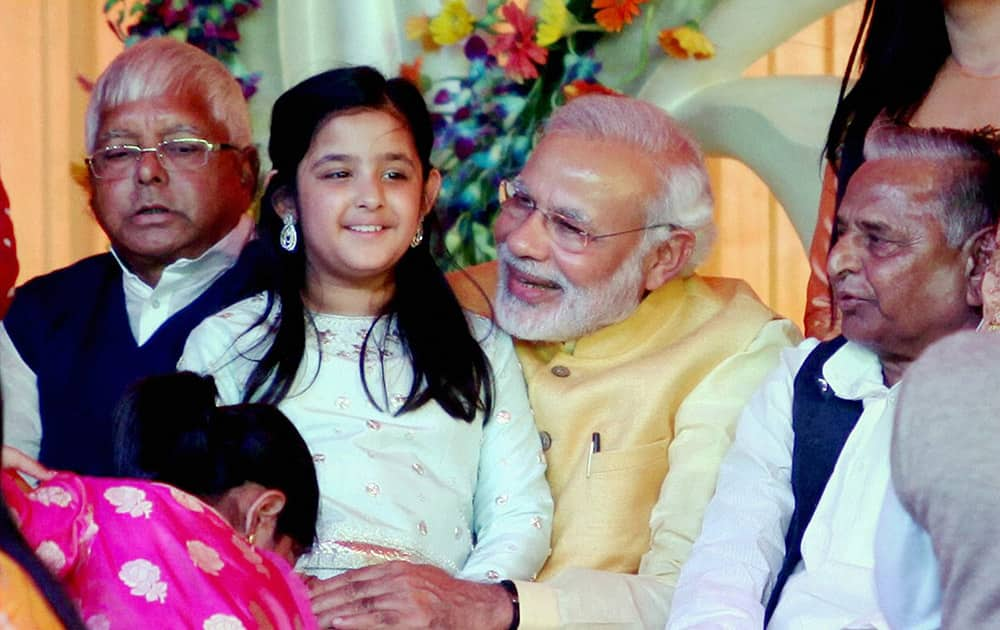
(22, 605)
(664, 389)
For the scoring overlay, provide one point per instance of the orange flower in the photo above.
(581, 87)
(418, 27)
(612, 15)
(515, 47)
(411, 71)
(686, 41)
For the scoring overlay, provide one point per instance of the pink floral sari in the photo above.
(136, 554)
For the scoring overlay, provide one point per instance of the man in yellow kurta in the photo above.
(637, 370)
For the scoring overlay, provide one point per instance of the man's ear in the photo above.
(668, 259)
(979, 250)
(249, 169)
(431, 189)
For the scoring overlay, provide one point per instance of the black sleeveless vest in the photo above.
(821, 423)
(71, 328)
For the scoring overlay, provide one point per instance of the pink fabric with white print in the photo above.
(137, 554)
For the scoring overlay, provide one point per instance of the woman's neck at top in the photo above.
(974, 33)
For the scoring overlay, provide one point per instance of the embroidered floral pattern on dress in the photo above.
(250, 554)
(51, 555)
(51, 495)
(503, 416)
(186, 500)
(143, 578)
(204, 557)
(98, 622)
(343, 338)
(219, 621)
(129, 500)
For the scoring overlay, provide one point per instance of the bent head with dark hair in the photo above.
(449, 366)
(169, 429)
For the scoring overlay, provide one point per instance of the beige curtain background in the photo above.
(46, 44)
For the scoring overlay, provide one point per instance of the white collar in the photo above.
(855, 373)
(222, 255)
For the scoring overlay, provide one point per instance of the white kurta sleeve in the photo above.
(221, 346)
(735, 560)
(22, 422)
(512, 506)
(906, 569)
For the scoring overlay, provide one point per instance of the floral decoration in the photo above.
(686, 41)
(526, 57)
(208, 24)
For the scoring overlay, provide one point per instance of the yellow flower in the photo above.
(686, 41)
(418, 27)
(555, 19)
(452, 25)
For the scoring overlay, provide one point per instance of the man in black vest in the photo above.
(172, 173)
(788, 539)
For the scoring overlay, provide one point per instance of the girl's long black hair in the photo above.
(903, 44)
(449, 365)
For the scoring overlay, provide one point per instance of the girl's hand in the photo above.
(13, 458)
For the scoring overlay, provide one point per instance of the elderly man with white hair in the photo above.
(172, 174)
(636, 367)
(789, 538)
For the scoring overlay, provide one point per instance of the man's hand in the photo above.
(13, 458)
(405, 595)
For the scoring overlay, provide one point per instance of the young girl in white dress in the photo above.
(415, 411)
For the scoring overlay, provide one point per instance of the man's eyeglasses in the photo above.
(180, 154)
(564, 231)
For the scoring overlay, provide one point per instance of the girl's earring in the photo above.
(251, 537)
(288, 238)
(418, 237)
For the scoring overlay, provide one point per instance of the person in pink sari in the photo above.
(8, 253)
(139, 551)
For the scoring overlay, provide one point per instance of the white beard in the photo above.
(579, 311)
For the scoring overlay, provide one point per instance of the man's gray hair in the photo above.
(685, 197)
(163, 66)
(970, 199)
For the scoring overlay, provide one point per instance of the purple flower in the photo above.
(442, 97)
(476, 48)
(464, 147)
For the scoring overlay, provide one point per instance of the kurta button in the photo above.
(561, 371)
(546, 440)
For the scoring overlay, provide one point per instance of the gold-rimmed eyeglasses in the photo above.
(178, 154)
(565, 231)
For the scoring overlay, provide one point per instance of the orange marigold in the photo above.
(686, 41)
(612, 15)
(411, 71)
(581, 87)
(418, 27)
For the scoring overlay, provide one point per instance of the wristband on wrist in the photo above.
(515, 603)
